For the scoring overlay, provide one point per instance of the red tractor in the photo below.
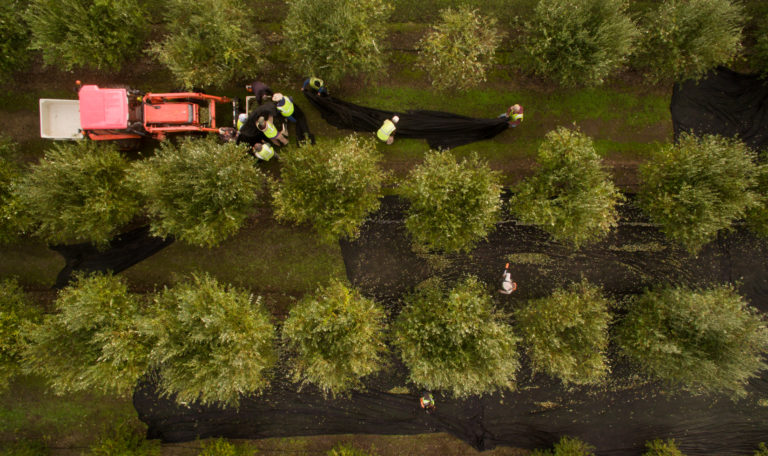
(123, 114)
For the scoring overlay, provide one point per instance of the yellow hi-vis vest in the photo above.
(270, 132)
(286, 109)
(386, 130)
(516, 117)
(266, 152)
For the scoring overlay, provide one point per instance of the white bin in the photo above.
(60, 119)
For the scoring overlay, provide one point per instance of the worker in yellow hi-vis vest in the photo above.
(387, 131)
(267, 127)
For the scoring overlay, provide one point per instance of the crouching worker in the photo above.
(427, 402)
(316, 85)
(507, 285)
(269, 130)
(263, 151)
(514, 115)
(387, 131)
(285, 106)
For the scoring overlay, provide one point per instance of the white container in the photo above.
(60, 119)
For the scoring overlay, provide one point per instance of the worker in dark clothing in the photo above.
(261, 91)
(248, 132)
(264, 94)
(427, 402)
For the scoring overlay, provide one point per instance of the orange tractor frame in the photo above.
(119, 114)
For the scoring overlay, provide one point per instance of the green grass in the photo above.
(32, 262)
(264, 257)
(29, 411)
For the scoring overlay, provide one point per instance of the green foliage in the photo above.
(15, 312)
(124, 439)
(209, 43)
(200, 192)
(454, 340)
(221, 447)
(346, 450)
(567, 446)
(579, 42)
(214, 342)
(453, 204)
(14, 39)
(25, 448)
(335, 38)
(566, 333)
(684, 39)
(104, 350)
(759, 57)
(571, 196)
(337, 336)
(11, 218)
(699, 186)
(459, 50)
(703, 340)
(762, 450)
(333, 186)
(95, 34)
(660, 447)
(78, 193)
(757, 215)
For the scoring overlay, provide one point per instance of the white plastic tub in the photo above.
(60, 119)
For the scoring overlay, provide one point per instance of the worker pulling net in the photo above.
(442, 130)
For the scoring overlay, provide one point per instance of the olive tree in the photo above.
(579, 42)
(199, 191)
(331, 185)
(706, 340)
(699, 186)
(660, 447)
(683, 39)
(209, 43)
(11, 215)
(213, 343)
(335, 38)
(93, 341)
(454, 340)
(101, 35)
(15, 312)
(566, 333)
(453, 205)
(78, 193)
(458, 51)
(337, 337)
(571, 195)
(757, 215)
(14, 39)
(567, 446)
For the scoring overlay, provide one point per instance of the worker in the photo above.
(315, 84)
(285, 106)
(514, 115)
(507, 285)
(261, 91)
(386, 132)
(227, 134)
(263, 151)
(268, 128)
(427, 402)
(241, 120)
(247, 132)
